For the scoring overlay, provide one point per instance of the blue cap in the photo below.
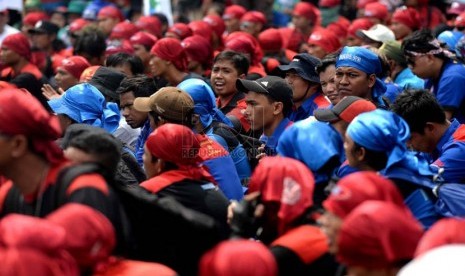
(85, 104)
(359, 58)
(450, 38)
(305, 65)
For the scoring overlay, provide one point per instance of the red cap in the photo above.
(33, 17)
(270, 40)
(254, 17)
(338, 29)
(78, 25)
(180, 30)
(444, 232)
(358, 187)
(19, 44)
(306, 10)
(149, 24)
(378, 235)
(407, 16)
(292, 38)
(329, 3)
(456, 8)
(460, 20)
(124, 30)
(287, 182)
(245, 43)
(238, 257)
(202, 28)
(234, 11)
(174, 143)
(362, 3)
(325, 39)
(376, 10)
(110, 12)
(123, 46)
(171, 49)
(74, 65)
(143, 38)
(359, 24)
(217, 24)
(198, 48)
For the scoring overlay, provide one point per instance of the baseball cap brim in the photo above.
(142, 104)
(37, 31)
(249, 85)
(326, 115)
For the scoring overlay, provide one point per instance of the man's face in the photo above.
(421, 142)
(42, 40)
(400, 30)
(353, 41)
(134, 118)
(251, 27)
(223, 78)
(232, 24)
(328, 85)
(316, 51)
(353, 82)
(64, 79)
(157, 66)
(298, 84)
(8, 57)
(140, 51)
(259, 111)
(420, 65)
(350, 150)
(151, 166)
(106, 24)
(300, 22)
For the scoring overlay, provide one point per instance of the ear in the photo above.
(360, 154)
(160, 164)
(242, 76)
(429, 128)
(278, 108)
(371, 80)
(20, 145)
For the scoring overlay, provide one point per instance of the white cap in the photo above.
(445, 260)
(378, 32)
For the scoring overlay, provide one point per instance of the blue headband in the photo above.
(313, 143)
(204, 102)
(359, 58)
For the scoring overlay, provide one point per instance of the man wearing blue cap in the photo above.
(301, 75)
(356, 75)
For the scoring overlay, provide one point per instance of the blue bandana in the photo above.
(366, 61)
(204, 102)
(313, 143)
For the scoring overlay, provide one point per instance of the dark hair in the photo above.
(29, 82)
(91, 43)
(186, 121)
(120, 59)
(385, 69)
(418, 107)
(375, 159)
(419, 41)
(287, 108)
(240, 61)
(329, 59)
(139, 85)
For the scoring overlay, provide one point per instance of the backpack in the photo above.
(160, 229)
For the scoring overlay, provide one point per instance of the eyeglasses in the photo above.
(411, 60)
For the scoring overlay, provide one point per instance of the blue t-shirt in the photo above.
(144, 134)
(316, 101)
(408, 80)
(271, 142)
(450, 153)
(449, 89)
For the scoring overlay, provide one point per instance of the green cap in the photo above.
(77, 6)
(393, 50)
(32, 4)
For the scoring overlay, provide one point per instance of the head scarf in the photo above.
(170, 49)
(378, 235)
(407, 16)
(245, 43)
(385, 131)
(150, 24)
(199, 49)
(178, 144)
(19, 44)
(124, 30)
(201, 28)
(358, 187)
(85, 104)
(287, 182)
(21, 113)
(238, 257)
(314, 144)
(444, 232)
(216, 23)
(143, 38)
(366, 61)
(75, 65)
(271, 40)
(326, 39)
(204, 102)
(180, 30)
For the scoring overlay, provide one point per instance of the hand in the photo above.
(261, 152)
(50, 93)
(244, 221)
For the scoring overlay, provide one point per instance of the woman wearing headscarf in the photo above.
(212, 122)
(357, 71)
(377, 238)
(280, 204)
(377, 141)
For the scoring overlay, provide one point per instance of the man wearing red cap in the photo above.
(142, 42)
(405, 21)
(70, 70)
(274, 52)
(16, 55)
(107, 19)
(430, 16)
(169, 61)
(376, 12)
(199, 54)
(179, 31)
(123, 31)
(322, 42)
(232, 16)
(305, 18)
(357, 25)
(253, 22)
(150, 24)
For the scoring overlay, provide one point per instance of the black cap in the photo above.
(107, 80)
(275, 87)
(347, 109)
(305, 65)
(44, 27)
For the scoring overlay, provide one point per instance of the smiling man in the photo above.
(356, 70)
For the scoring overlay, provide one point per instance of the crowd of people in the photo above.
(245, 138)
